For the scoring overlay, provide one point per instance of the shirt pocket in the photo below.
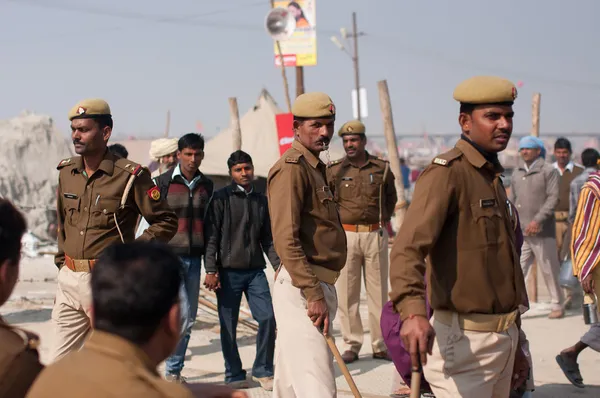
(488, 221)
(373, 185)
(103, 213)
(348, 189)
(325, 197)
(71, 211)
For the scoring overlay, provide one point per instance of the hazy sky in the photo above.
(145, 57)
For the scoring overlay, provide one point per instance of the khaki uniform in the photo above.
(19, 361)
(366, 197)
(107, 366)
(311, 243)
(92, 217)
(460, 218)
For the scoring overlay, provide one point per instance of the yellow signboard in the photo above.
(301, 48)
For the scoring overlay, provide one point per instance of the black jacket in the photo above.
(238, 231)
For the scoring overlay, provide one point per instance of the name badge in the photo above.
(70, 195)
(485, 203)
(346, 178)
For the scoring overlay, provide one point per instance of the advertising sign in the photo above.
(301, 48)
(285, 131)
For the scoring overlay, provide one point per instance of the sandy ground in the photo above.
(31, 304)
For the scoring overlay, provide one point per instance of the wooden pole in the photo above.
(168, 123)
(235, 124)
(299, 80)
(355, 62)
(535, 131)
(286, 87)
(392, 146)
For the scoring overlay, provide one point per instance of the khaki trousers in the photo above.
(471, 364)
(561, 229)
(367, 255)
(70, 314)
(543, 249)
(303, 362)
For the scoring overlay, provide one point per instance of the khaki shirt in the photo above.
(87, 207)
(304, 218)
(19, 361)
(358, 190)
(459, 217)
(106, 366)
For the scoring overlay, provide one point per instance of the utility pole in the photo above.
(234, 115)
(355, 60)
(353, 55)
(535, 131)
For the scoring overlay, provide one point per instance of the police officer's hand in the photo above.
(319, 314)
(417, 335)
(203, 390)
(520, 369)
(587, 284)
(211, 282)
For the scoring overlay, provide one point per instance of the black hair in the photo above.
(466, 108)
(589, 157)
(102, 120)
(12, 229)
(119, 149)
(134, 285)
(563, 143)
(238, 157)
(192, 141)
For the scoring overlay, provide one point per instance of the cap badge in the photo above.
(332, 108)
(349, 128)
(514, 93)
(81, 110)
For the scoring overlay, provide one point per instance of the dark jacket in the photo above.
(190, 208)
(238, 231)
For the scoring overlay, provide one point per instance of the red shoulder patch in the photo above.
(154, 193)
(138, 170)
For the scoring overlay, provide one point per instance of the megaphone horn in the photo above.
(280, 24)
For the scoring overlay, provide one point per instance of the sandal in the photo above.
(571, 370)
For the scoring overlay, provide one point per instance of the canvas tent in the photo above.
(259, 139)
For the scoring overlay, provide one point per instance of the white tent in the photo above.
(259, 139)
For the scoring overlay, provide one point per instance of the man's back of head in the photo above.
(135, 290)
(12, 228)
(590, 157)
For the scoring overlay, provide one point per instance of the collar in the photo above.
(475, 155)
(536, 165)
(238, 188)
(569, 166)
(308, 155)
(117, 347)
(177, 172)
(107, 164)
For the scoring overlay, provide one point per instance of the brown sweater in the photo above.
(565, 186)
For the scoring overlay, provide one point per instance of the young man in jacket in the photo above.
(188, 193)
(238, 232)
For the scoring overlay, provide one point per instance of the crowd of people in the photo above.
(131, 244)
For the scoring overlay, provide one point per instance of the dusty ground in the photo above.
(31, 303)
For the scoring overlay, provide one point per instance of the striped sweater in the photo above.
(190, 208)
(585, 243)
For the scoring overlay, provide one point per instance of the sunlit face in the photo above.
(315, 134)
(88, 138)
(489, 126)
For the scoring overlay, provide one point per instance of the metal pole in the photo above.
(355, 59)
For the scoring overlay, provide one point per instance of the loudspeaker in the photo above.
(280, 24)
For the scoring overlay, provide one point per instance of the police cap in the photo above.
(480, 90)
(352, 127)
(89, 108)
(313, 105)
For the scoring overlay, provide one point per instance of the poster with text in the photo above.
(285, 131)
(301, 48)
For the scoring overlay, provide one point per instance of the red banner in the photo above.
(285, 131)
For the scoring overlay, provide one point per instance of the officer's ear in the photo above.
(465, 121)
(296, 125)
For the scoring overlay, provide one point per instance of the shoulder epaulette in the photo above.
(130, 167)
(293, 158)
(446, 158)
(64, 162)
(334, 162)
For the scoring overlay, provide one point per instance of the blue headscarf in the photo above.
(531, 142)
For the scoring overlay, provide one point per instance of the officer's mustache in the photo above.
(77, 142)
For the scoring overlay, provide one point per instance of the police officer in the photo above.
(311, 243)
(135, 290)
(100, 196)
(461, 221)
(366, 197)
(19, 358)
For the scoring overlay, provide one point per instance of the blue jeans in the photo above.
(252, 283)
(189, 292)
